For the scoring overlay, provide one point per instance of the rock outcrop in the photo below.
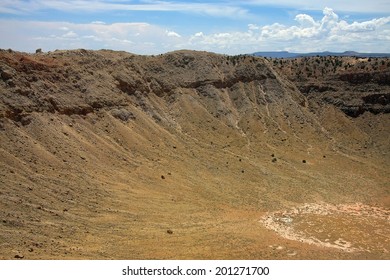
(349, 83)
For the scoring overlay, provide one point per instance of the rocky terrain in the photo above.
(353, 84)
(110, 155)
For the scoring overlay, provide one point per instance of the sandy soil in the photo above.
(348, 227)
(109, 155)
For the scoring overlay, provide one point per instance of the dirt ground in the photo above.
(188, 155)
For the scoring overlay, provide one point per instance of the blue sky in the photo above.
(222, 26)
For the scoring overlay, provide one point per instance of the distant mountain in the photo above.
(285, 54)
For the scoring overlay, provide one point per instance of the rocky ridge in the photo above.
(353, 84)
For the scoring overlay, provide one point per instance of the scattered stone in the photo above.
(169, 231)
(304, 161)
(18, 256)
(286, 220)
(38, 50)
(162, 177)
(6, 75)
(11, 83)
(274, 160)
(26, 119)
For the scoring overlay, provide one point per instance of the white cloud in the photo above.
(363, 26)
(307, 34)
(252, 26)
(98, 22)
(70, 34)
(327, 33)
(142, 38)
(199, 34)
(305, 20)
(214, 8)
(226, 42)
(172, 34)
(353, 6)
(211, 8)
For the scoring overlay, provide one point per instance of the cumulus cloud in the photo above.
(305, 20)
(172, 34)
(364, 26)
(307, 33)
(135, 37)
(355, 6)
(252, 26)
(327, 33)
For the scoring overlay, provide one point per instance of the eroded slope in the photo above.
(103, 152)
